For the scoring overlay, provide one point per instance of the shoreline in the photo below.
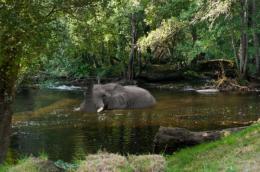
(187, 159)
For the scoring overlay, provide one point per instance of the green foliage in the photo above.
(80, 39)
(212, 10)
(26, 164)
(162, 36)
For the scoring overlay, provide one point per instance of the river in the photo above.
(44, 121)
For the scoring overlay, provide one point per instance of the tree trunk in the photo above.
(133, 48)
(243, 50)
(9, 67)
(255, 36)
(5, 127)
(171, 139)
(194, 34)
(236, 55)
(139, 55)
(7, 85)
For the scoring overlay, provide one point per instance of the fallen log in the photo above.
(170, 139)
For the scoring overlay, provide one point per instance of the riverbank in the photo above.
(207, 75)
(235, 152)
(224, 84)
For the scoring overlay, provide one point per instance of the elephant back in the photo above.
(139, 97)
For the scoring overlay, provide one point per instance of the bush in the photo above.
(103, 162)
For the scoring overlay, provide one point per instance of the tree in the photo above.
(133, 48)
(23, 31)
(255, 35)
(26, 30)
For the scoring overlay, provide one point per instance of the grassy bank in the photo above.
(236, 152)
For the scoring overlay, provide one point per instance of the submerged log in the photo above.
(171, 139)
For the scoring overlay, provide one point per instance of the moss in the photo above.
(243, 82)
(190, 74)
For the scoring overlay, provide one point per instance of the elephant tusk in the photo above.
(76, 109)
(100, 109)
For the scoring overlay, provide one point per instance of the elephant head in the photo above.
(99, 95)
(109, 96)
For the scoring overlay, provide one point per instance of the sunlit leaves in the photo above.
(163, 35)
(213, 9)
(157, 11)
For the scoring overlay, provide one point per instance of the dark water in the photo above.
(44, 121)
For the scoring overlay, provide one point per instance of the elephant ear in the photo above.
(118, 89)
(119, 100)
(115, 96)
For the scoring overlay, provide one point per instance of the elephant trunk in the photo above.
(88, 105)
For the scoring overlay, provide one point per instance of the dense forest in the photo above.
(118, 38)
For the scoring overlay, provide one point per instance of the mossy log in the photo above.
(171, 139)
(217, 67)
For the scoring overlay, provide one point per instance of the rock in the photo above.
(207, 91)
(188, 89)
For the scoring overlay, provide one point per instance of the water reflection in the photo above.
(44, 121)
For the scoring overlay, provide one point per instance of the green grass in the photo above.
(24, 165)
(99, 162)
(109, 162)
(29, 164)
(236, 152)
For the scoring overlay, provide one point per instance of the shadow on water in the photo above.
(45, 122)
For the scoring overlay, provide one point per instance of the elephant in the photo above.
(115, 96)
